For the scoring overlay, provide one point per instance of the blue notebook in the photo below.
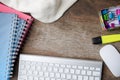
(7, 24)
(11, 32)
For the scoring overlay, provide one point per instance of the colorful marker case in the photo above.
(110, 18)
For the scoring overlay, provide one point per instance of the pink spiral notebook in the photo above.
(27, 18)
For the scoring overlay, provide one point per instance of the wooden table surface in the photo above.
(71, 35)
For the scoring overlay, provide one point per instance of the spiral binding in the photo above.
(16, 40)
(25, 30)
(22, 34)
(16, 43)
(13, 43)
(10, 61)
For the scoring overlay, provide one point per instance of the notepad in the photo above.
(12, 30)
(14, 26)
(7, 24)
(27, 18)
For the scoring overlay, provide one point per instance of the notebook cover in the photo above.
(7, 24)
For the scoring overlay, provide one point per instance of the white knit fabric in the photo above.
(46, 11)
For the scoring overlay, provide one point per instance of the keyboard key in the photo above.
(72, 71)
(39, 63)
(80, 67)
(33, 68)
(57, 65)
(51, 64)
(47, 78)
(36, 78)
(77, 72)
(74, 67)
(22, 66)
(52, 74)
(38, 68)
(89, 73)
(86, 68)
(68, 76)
(46, 74)
(33, 63)
(23, 77)
(35, 73)
(85, 78)
(97, 78)
(45, 64)
(63, 66)
(66, 70)
(29, 72)
(22, 62)
(74, 77)
(27, 67)
(23, 72)
(57, 75)
(91, 78)
(63, 76)
(92, 68)
(83, 72)
(55, 69)
(52, 78)
(95, 73)
(40, 73)
(30, 78)
(97, 69)
(41, 78)
(49, 69)
(44, 68)
(68, 66)
(80, 78)
(61, 70)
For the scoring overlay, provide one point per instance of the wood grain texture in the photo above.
(71, 35)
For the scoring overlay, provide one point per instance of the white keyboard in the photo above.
(33, 67)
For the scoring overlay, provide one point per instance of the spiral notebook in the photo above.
(14, 25)
(12, 31)
(27, 18)
(7, 24)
